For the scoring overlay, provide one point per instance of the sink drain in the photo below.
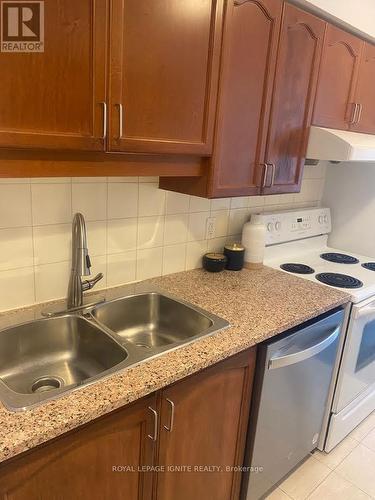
(44, 384)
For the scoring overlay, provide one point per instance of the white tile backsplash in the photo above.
(176, 227)
(121, 268)
(90, 199)
(174, 258)
(122, 200)
(135, 231)
(16, 248)
(197, 226)
(240, 202)
(149, 263)
(51, 203)
(52, 243)
(51, 280)
(15, 205)
(17, 288)
(122, 235)
(199, 204)
(177, 203)
(150, 232)
(151, 200)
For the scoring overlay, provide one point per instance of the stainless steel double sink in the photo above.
(42, 359)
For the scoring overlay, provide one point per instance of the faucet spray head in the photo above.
(80, 257)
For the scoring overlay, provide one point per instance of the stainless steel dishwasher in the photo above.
(293, 381)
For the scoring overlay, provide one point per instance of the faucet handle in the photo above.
(88, 261)
(88, 284)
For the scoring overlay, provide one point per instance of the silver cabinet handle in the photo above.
(265, 174)
(154, 437)
(104, 104)
(360, 108)
(120, 112)
(297, 357)
(171, 420)
(273, 174)
(353, 119)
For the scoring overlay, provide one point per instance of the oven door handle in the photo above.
(297, 357)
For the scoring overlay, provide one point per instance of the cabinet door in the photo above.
(164, 71)
(334, 106)
(297, 67)
(203, 423)
(249, 55)
(82, 464)
(54, 99)
(365, 94)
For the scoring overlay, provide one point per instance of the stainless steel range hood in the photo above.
(340, 145)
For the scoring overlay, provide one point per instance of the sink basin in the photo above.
(45, 357)
(152, 320)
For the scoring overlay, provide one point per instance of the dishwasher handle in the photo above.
(297, 357)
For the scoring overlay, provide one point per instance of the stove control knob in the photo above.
(321, 219)
(269, 227)
(278, 226)
(325, 219)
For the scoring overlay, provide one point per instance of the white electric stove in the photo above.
(297, 243)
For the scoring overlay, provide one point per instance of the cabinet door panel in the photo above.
(53, 99)
(365, 94)
(210, 419)
(334, 104)
(80, 465)
(293, 98)
(250, 45)
(164, 70)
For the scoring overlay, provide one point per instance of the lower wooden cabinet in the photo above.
(203, 424)
(82, 465)
(183, 442)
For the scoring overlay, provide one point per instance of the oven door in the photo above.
(357, 371)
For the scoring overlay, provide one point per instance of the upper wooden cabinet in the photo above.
(335, 99)
(365, 95)
(249, 57)
(267, 92)
(163, 75)
(298, 58)
(163, 65)
(55, 99)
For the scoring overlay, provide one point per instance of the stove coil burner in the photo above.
(369, 265)
(297, 268)
(339, 258)
(339, 280)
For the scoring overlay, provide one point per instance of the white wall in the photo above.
(350, 193)
(135, 230)
(359, 14)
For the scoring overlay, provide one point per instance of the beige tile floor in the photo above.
(347, 473)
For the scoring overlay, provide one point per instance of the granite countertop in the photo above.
(258, 304)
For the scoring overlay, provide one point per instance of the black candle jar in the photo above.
(214, 262)
(235, 254)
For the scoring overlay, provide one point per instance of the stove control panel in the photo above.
(296, 224)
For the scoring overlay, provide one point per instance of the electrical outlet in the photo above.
(210, 228)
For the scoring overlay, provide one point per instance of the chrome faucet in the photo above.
(80, 264)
